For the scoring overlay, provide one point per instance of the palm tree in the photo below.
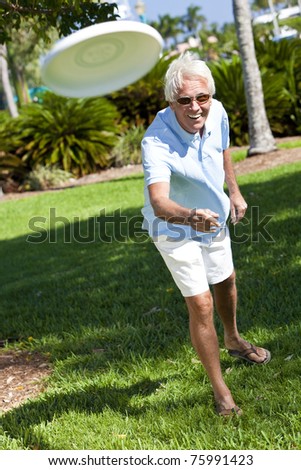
(168, 27)
(260, 134)
(192, 20)
(12, 107)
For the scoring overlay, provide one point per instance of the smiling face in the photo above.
(192, 116)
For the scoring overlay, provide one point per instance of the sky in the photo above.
(215, 11)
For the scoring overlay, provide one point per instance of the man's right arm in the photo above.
(202, 220)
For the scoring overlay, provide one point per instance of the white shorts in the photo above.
(194, 266)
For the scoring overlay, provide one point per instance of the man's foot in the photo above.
(224, 403)
(251, 354)
(222, 411)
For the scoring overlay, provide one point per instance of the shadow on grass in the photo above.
(101, 285)
(91, 399)
(85, 285)
(268, 262)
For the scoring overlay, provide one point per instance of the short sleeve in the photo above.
(155, 164)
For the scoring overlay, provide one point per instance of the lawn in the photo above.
(81, 283)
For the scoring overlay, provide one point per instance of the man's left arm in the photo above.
(238, 205)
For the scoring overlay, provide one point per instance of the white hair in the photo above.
(187, 65)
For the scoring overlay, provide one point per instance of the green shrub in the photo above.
(279, 89)
(282, 61)
(230, 91)
(277, 102)
(4, 116)
(128, 149)
(11, 166)
(46, 177)
(75, 135)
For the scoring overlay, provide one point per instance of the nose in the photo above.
(194, 104)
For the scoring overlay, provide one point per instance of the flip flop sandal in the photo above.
(222, 411)
(246, 353)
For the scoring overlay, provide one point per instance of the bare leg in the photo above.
(225, 296)
(205, 341)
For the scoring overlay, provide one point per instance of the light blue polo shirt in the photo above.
(193, 165)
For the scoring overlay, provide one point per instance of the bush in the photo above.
(46, 177)
(12, 169)
(230, 91)
(278, 97)
(75, 135)
(4, 117)
(281, 61)
(128, 149)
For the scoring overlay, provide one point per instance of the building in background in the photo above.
(280, 32)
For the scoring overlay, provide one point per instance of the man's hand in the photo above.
(204, 220)
(238, 207)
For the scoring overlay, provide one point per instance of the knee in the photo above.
(200, 306)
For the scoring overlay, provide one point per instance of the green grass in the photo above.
(116, 330)
(239, 155)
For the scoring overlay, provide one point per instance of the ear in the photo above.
(172, 105)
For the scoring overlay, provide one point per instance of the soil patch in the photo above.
(22, 376)
(267, 161)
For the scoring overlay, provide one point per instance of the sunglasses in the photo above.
(201, 99)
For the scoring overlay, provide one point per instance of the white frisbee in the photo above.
(101, 58)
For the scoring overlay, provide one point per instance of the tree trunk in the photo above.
(18, 79)
(260, 134)
(12, 107)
